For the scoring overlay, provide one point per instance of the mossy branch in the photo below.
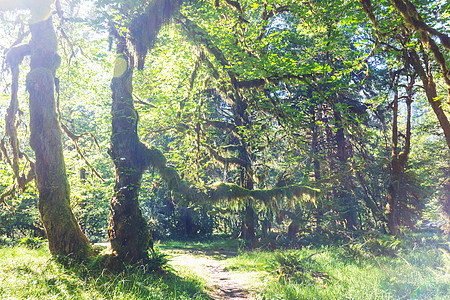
(14, 58)
(412, 17)
(228, 191)
(225, 160)
(6, 193)
(222, 191)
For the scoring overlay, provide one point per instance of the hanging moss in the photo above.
(223, 191)
(170, 175)
(157, 158)
(144, 29)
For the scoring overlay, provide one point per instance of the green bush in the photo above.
(32, 242)
(298, 267)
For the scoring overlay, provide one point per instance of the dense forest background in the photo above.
(283, 123)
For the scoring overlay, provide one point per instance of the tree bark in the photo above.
(344, 192)
(241, 118)
(63, 232)
(399, 161)
(430, 90)
(128, 231)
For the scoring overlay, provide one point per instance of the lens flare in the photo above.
(120, 66)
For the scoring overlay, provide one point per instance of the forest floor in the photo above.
(415, 267)
(381, 268)
(209, 267)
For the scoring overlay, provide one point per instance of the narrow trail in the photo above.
(221, 284)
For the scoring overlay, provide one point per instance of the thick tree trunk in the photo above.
(250, 222)
(128, 231)
(398, 164)
(392, 196)
(64, 234)
(344, 193)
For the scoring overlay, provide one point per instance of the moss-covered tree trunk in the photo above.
(128, 231)
(398, 163)
(63, 232)
(241, 119)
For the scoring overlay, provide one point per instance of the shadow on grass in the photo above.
(34, 274)
(138, 282)
(218, 247)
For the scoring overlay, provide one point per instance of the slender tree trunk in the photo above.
(398, 163)
(429, 85)
(446, 206)
(63, 232)
(318, 211)
(396, 171)
(128, 231)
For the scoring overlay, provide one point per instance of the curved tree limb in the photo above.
(225, 160)
(75, 138)
(412, 17)
(222, 191)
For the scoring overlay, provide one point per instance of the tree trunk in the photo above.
(446, 207)
(344, 193)
(249, 226)
(314, 155)
(430, 90)
(63, 232)
(392, 196)
(398, 162)
(246, 177)
(128, 230)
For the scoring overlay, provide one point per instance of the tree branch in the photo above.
(225, 160)
(75, 138)
(223, 191)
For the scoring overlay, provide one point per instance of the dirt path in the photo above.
(221, 284)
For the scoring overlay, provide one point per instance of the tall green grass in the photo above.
(347, 273)
(33, 274)
(376, 268)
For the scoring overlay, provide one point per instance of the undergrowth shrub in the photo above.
(159, 261)
(298, 267)
(6, 241)
(373, 246)
(32, 242)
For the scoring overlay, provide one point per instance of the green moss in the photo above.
(107, 261)
(156, 158)
(226, 191)
(170, 175)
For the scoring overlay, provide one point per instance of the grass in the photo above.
(349, 273)
(380, 268)
(214, 244)
(32, 274)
